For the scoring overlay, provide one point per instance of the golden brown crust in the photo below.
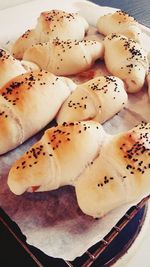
(33, 99)
(122, 17)
(119, 175)
(9, 67)
(54, 24)
(119, 22)
(134, 148)
(50, 21)
(58, 158)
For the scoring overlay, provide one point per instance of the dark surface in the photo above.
(12, 252)
(139, 9)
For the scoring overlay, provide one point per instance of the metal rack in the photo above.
(106, 241)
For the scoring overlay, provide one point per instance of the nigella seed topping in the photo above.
(105, 180)
(14, 88)
(58, 136)
(133, 151)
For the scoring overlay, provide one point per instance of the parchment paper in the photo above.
(52, 221)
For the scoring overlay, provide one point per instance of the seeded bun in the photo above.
(58, 158)
(54, 24)
(9, 67)
(98, 99)
(27, 103)
(127, 60)
(119, 175)
(65, 57)
(119, 22)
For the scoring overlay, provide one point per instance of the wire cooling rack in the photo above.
(92, 255)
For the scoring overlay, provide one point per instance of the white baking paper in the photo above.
(52, 221)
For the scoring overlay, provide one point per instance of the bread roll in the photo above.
(127, 60)
(119, 175)
(65, 57)
(50, 25)
(27, 103)
(9, 67)
(98, 99)
(58, 158)
(119, 22)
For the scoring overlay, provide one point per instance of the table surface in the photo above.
(141, 11)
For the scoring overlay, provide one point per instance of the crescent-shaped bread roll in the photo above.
(58, 158)
(9, 67)
(127, 60)
(98, 99)
(51, 25)
(27, 103)
(65, 57)
(119, 175)
(119, 22)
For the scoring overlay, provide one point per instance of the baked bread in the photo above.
(27, 103)
(98, 99)
(65, 57)
(127, 60)
(51, 25)
(119, 175)
(119, 22)
(58, 158)
(9, 67)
